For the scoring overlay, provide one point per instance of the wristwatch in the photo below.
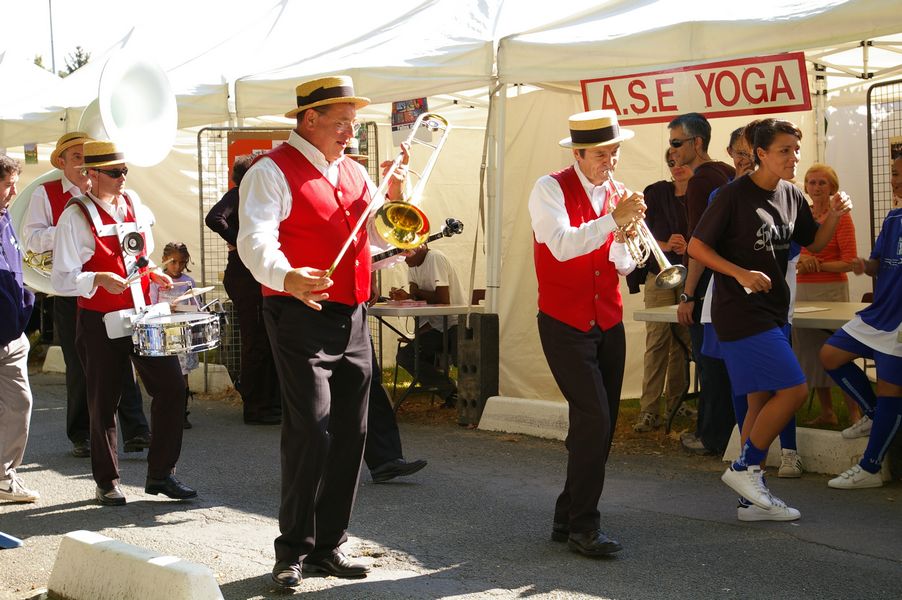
(687, 298)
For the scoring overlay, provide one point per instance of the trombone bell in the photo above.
(402, 225)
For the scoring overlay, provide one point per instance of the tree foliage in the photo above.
(75, 61)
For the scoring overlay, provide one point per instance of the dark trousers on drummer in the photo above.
(324, 359)
(78, 425)
(588, 369)
(383, 440)
(258, 382)
(163, 380)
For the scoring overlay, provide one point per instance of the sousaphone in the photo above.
(136, 109)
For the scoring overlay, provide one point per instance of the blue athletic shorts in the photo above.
(762, 362)
(889, 367)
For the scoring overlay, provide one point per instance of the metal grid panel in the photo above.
(213, 170)
(884, 126)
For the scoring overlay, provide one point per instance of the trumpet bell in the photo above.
(670, 277)
(402, 225)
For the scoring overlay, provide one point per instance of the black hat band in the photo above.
(320, 94)
(595, 136)
(115, 156)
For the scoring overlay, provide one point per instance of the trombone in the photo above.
(402, 224)
(642, 245)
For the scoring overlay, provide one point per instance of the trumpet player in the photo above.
(576, 215)
(44, 209)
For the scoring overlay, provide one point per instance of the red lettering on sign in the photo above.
(664, 93)
(719, 89)
(608, 101)
(638, 94)
(760, 87)
(781, 85)
(706, 89)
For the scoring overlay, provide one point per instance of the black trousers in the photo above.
(78, 425)
(258, 381)
(162, 376)
(324, 359)
(588, 369)
(383, 440)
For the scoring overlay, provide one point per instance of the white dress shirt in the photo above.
(38, 229)
(74, 244)
(265, 201)
(551, 223)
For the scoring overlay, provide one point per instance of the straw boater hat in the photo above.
(326, 90)
(595, 128)
(102, 154)
(73, 138)
(352, 149)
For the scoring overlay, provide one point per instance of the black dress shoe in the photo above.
(81, 449)
(560, 532)
(287, 575)
(110, 497)
(593, 543)
(396, 468)
(137, 443)
(336, 564)
(170, 486)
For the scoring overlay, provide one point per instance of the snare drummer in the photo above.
(175, 263)
(89, 262)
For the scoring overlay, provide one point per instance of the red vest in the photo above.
(321, 219)
(108, 257)
(58, 198)
(584, 291)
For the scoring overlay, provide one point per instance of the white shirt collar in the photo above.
(68, 186)
(312, 153)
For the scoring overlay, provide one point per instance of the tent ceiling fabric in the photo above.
(624, 36)
(403, 49)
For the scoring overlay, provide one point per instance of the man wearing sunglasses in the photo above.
(91, 262)
(690, 135)
(44, 210)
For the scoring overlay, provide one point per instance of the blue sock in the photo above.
(887, 420)
(852, 380)
(749, 456)
(788, 435)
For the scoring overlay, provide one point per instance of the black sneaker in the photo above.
(81, 449)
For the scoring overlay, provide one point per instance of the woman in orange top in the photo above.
(822, 278)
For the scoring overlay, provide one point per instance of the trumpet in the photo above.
(642, 245)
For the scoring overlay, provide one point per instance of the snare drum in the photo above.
(168, 335)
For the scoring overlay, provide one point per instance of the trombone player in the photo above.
(39, 230)
(576, 215)
(297, 206)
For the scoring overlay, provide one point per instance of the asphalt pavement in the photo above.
(475, 523)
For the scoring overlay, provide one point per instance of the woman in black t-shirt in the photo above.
(744, 236)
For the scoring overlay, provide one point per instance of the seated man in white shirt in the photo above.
(433, 279)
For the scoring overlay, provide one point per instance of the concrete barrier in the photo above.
(90, 566)
(54, 361)
(822, 451)
(218, 379)
(540, 418)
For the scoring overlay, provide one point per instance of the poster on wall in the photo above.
(31, 154)
(403, 115)
(252, 142)
(895, 147)
(748, 86)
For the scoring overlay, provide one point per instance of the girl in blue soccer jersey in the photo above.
(874, 333)
(744, 237)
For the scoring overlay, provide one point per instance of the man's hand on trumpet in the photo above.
(629, 209)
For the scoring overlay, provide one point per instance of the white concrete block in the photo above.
(218, 379)
(822, 451)
(90, 566)
(54, 361)
(541, 418)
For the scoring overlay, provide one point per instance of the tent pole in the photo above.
(495, 195)
(820, 112)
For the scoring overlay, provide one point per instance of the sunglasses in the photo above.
(676, 143)
(114, 173)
